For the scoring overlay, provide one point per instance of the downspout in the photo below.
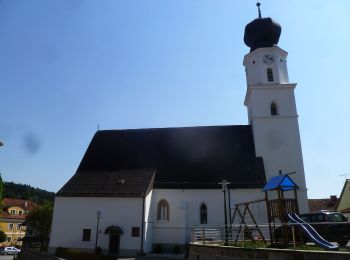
(142, 224)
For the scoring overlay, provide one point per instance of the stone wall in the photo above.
(210, 252)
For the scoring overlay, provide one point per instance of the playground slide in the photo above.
(311, 233)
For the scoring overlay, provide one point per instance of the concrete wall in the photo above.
(200, 252)
(72, 215)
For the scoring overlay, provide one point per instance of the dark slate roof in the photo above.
(187, 157)
(123, 183)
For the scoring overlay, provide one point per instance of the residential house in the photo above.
(12, 218)
(329, 204)
(344, 200)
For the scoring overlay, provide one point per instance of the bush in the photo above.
(98, 251)
(61, 252)
(158, 248)
(176, 250)
(88, 256)
(2, 235)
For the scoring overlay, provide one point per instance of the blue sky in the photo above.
(68, 66)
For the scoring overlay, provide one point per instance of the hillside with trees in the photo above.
(27, 192)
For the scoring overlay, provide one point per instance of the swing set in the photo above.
(277, 210)
(248, 226)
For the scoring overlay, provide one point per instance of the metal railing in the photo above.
(235, 233)
(242, 234)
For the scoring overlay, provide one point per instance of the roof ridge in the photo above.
(168, 128)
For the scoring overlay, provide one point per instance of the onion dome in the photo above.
(262, 32)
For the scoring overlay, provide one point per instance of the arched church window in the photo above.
(163, 210)
(203, 214)
(269, 75)
(273, 108)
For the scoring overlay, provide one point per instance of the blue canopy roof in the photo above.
(280, 182)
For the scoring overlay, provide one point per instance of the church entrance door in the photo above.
(114, 233)
(114, 243)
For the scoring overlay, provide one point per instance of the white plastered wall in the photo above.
(148, 227)
(73, 214)
(185, 211)
(344, 200)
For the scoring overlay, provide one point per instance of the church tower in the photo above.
(271, 104)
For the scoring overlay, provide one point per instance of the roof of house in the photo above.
(186, 157)
(24, 204)
(124, 183)
(316, 205)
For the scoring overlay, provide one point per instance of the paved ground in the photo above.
(6, 257)
(10, 257)
(144, 258)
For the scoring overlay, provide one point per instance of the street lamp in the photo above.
(224, 184)
(98, 215)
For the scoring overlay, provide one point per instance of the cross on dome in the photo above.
(258, 4)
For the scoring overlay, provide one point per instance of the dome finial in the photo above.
(258, 5)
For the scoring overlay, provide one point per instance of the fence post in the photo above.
(293, 234)
(243, 236)
(203, 235)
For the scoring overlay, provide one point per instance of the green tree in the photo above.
(39, 222)
(27, 192)
(2, 236)
(1, 194)
(1, 188)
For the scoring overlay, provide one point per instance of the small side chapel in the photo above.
(137, 188)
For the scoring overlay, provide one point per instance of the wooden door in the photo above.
(114, 241)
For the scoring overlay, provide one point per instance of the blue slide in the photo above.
(311, 233)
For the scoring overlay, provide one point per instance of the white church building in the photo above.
(138, 188)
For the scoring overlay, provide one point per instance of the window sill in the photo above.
(162, 221)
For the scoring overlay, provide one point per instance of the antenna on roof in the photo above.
(258, 5)
(98, 127)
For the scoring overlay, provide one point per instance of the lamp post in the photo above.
(224, 184)
(98, 215)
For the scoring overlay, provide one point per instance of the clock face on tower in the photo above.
(268, 59)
